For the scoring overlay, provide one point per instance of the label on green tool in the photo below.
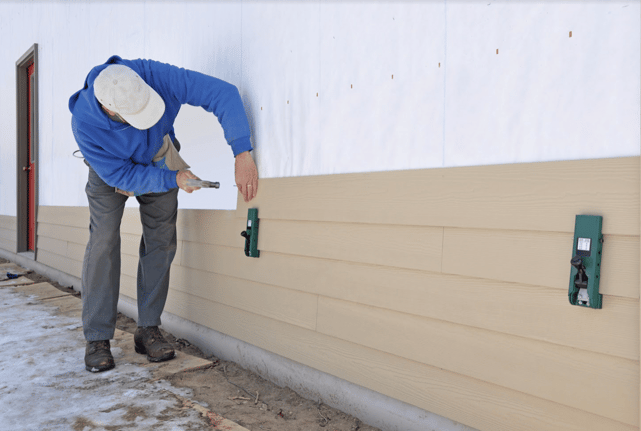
(584, 244)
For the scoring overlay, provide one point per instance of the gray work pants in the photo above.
(101, 266)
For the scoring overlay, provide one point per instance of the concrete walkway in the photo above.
(44, 384)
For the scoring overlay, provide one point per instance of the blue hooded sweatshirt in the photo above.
(121, 154)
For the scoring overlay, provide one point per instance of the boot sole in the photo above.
(141, 350)
(100, 369)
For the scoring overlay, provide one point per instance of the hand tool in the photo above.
(202, 183)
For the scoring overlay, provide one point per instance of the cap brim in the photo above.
(149, 116)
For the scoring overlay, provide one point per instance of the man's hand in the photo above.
(246, 176)
(181, 180)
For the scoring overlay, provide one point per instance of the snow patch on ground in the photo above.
(44, 384)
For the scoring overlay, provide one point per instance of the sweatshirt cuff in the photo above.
(241, 145)
(170, 179)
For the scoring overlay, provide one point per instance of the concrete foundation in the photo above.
(369, 406)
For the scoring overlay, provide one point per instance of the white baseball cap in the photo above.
(120, 89)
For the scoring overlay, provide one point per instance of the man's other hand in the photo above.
(246, 176)
(181, 180)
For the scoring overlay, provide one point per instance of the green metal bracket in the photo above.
(251, 234)
(586, 262)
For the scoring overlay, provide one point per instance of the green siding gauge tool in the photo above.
(586, 262)
(251, 234)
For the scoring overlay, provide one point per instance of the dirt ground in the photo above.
(240, 395)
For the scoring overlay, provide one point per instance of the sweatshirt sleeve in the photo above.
(212, 94)
(118, 171)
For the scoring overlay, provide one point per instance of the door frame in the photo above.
(22, 141)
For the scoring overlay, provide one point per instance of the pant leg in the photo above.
(158, 213)
(101, 265)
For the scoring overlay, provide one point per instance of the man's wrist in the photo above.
(241, 145)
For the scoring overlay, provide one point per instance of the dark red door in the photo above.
(30, 164)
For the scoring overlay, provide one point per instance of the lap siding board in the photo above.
(462, 328)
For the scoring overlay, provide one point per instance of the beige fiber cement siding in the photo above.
(451, 296)
(527, 196)
(8, 226)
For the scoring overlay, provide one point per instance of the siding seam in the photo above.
(442, 248)
(317, 306)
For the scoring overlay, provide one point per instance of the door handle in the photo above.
(26, 168)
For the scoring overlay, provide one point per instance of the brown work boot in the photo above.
(149, 340)
(98, 356)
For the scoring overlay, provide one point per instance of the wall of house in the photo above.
(342, 87)
(432, 265)
(450, 295)
(8, 226)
